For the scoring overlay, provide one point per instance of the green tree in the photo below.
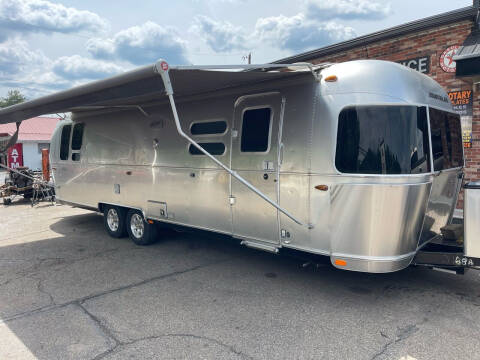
(13, 97)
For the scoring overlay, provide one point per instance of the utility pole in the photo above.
(248, 58)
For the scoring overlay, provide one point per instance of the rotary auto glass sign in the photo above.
(446, 59)
(462, 102)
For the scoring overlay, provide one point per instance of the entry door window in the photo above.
(256, 125)
(77, 137)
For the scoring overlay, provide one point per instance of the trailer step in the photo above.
(260, 246)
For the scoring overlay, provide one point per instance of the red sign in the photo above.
(15, 156)
(446, 59)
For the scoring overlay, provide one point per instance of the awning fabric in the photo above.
(138, 87)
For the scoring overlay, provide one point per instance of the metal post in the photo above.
(161, 67)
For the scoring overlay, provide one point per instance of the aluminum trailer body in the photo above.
(363, 160)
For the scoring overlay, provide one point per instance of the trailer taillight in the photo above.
(340, 262)
(331, 78)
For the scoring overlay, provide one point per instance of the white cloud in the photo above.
(77, 67)
(16, 57)
(347, 9)
(44, 16)
(295, 33)
(220, 36)
(141, 45)
(34, 74)
(298, 33)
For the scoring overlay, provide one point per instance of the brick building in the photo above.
(429, 46)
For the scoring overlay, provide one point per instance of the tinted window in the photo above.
(447, 146)
(65, 142)
(255, 130)
(77, 137)
(212, 148)
(212, 127)
(383, 140)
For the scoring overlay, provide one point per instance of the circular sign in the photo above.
(446, 59)
(164, 65)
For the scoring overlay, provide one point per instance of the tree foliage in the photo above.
(13, 97)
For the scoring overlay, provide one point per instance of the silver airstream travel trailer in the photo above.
(359, 161)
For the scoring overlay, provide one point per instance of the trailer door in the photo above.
(255, 153)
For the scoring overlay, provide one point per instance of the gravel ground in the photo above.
(68, 291)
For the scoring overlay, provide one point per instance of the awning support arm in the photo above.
(13, 139)
(161, 67)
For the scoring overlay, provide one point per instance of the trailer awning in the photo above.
(145, 85)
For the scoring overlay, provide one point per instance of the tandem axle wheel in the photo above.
(120, 222)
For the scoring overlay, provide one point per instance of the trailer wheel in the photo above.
(114, 221)
(140, 231)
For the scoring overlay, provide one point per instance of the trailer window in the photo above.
(383, 140)
(212, 148)
(77, 136)
(207, 128)
(65, 142)
(447, 146)
(256, 130)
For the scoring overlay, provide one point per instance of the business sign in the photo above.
(462, 102)
(15, 156)
(421, 64)
(446, 59)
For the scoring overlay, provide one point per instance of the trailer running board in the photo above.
(260, 246)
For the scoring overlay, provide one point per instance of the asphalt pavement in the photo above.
(69, 291)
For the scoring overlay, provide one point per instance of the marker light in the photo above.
(340, 262)
(331, 78)
(322, 187)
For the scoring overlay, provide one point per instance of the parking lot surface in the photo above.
(69, 291)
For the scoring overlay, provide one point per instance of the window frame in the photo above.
(431, 172)
(270, 126)
(68, 144)
(209, 121)
(430, 139)
(189, 145)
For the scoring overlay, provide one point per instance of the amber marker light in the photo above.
(150, 221)
(331, 78)
(322, 187)
(340, 262)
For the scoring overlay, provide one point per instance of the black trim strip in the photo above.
(472, 186)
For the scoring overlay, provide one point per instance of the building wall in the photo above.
(31, 157)
(431, 42)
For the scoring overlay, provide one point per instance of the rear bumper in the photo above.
(372, 264)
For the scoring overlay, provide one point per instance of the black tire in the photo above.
(7, 201)
(140, 232)
(114, 221)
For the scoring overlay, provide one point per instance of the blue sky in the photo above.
(46, 46)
